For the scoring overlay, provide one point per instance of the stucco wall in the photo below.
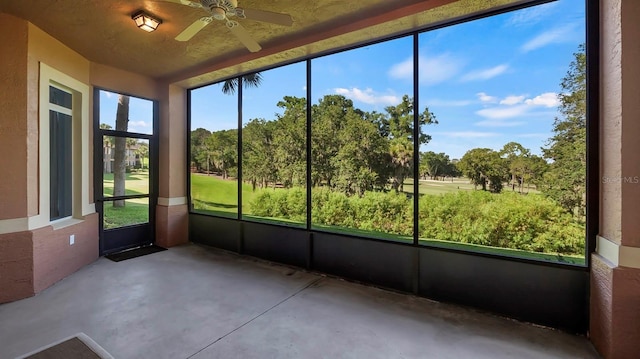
(611, 120)
(615, 269)
(630, 163)
(125, 82)
(13, 114)
(32, 259)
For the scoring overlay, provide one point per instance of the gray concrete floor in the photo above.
(197, 302)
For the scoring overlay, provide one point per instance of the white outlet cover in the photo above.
(72, 239)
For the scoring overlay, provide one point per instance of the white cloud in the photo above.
(402, 70)
(547, 99)
(499, 123)
(485, 74)
(368, 96)
(486, 98)
(304, 88)
(467, 134)
(517, 107)
(530, 16)
(138, 124)
(503, 112)
(512, 100)
(433, 69)
(553, 36)
(447, 103)
(108, 94)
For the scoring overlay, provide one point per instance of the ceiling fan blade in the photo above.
(194, 28)
(185, 2)
(245, 38)
(268, 16)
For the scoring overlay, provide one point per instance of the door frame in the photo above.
(138, 234)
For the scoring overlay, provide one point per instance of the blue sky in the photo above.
(488, 82)
(140, 112)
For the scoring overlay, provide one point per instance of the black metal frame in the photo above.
(138, 234)
(518, 287)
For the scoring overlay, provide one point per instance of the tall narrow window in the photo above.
(214, 149)
(60, 143)
(362, 140)
(274, 146)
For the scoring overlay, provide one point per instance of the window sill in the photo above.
(65, 222)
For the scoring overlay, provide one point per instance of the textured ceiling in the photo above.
(103, 32)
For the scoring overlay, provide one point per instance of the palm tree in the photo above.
(143, 151)
(120, 150)
(401, 151)
(251, 80)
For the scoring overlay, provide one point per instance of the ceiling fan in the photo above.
(224, 10)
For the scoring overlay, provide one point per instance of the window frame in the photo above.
(80, 152)
(61, 169)
(592, 112)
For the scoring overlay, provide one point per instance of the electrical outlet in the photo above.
(72, 239)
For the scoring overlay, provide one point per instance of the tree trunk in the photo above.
(120, 150)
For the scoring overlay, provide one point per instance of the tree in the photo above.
(143, 152)
(397, 125)
(536, 167)
(120, 150)
(229, 87)
(434, 165)
(258, 153)
(360, 160)
(199, 148)
(565, 181)
(482, 165)
(222, 149)
(515, 156)
(327, 120)
(290, 141)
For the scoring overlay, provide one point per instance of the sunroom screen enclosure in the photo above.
(432, 162)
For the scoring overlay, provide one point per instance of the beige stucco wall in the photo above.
(630, 76)
(173, 129)
(116, 80)
(33, 258)
(611, 121)
(615, 270)
(13, 124)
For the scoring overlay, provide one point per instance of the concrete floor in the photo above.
(196, 302)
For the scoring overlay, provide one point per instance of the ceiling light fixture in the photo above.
(145, 21)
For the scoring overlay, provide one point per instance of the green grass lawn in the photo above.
(448, 186)
(211, 194)
(215, 195)
(136, 210)
(135, 183)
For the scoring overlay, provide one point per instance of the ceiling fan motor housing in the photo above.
(220, 9)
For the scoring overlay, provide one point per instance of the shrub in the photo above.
(507, 220)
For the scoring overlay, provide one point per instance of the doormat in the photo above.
(135, 252)
(77, 346)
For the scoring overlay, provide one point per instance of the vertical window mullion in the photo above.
(416, 142)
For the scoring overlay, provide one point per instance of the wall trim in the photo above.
(172, 201)
(618, 255)
(15, 225)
